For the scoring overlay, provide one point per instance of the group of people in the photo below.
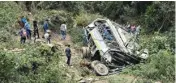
(25, 33)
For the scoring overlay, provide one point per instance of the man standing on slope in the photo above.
(47, 36)
(27, 27)
(45, 26)
(36, 32)
(68, 54)
(63, 29)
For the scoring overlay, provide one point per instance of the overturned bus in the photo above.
(110, 47)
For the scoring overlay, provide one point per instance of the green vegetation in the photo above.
(159, 66)
(37, 65)
(41, 64)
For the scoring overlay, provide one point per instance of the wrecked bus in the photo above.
(110, 47)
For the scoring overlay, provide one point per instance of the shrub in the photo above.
(160, 64)
(36, 63)
(76, 35)
(7, 70)
(81, 20)
(84, 18)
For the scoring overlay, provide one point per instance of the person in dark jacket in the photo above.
(45, 26)
(68, 54)
(36, 32)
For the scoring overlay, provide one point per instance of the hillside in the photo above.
(41, 63)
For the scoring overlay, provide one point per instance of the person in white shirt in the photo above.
(47, 36)
(63, 29)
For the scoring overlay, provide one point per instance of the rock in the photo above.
(79, 78)
(87, 80)
(39, 40)
(63, 65)
(84, 63)
(96, 79)
(101, 81)
(5, 49)
(68, 75)
(82, 81)
(158, 82)
(90, 80)
(17, 50)
(50, 45)
(59, 44)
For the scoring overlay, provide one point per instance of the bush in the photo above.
(76, 35)
(7, 70)
(36, 63)
(56, 19)
(84, 18)
(81, 20)
(9, 11)
(160, 64)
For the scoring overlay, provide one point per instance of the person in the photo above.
(137, 32)
(63, 29)
(133, 28)
(23, 20)
(45, 26)
(128, 27)
(68, 54)
(106, 34)
(36, 32)
(85, 39)
(21, 24)
(27, 27)
(23, 35)
(47, 36)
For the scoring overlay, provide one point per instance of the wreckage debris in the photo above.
(110, 47)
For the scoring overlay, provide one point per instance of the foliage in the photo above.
(56, 19)
(159, 17)
(7, 66)
(160, 65)
(36, 64)
(84, 18)
(40, 64)
(32, 65)
(9, 13)
(152, 16)
(80, 21)
(77, 35)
